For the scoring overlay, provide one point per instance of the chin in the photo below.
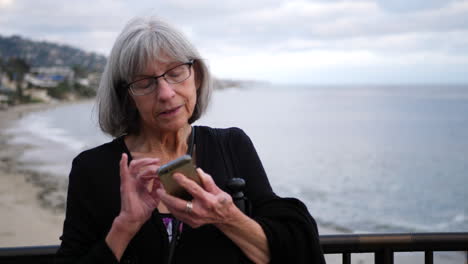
(174, 126)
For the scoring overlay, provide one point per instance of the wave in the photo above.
(317, 202)
(36, 126)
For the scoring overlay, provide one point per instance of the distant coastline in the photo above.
(41, 71)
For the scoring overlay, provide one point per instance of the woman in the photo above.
(154, 87)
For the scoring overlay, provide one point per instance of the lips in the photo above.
(169, 111)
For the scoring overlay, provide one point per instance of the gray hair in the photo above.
(144, 40)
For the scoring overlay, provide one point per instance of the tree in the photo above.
(60, 91)
(16, 68)
(80, 71)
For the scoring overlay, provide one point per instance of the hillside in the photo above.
(41, 53)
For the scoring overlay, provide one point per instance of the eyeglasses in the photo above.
(174, 75)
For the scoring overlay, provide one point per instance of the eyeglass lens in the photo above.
(174, 75)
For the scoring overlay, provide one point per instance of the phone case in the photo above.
(182, 165)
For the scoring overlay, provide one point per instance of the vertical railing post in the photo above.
(346, 258)
(428, 257)
(384, 256)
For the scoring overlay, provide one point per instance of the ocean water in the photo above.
(363, 158)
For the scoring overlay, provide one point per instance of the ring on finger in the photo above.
(188, 207)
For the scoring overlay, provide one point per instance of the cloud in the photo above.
(412, 6)
(332, 35)
(5, 3)
(338, 20)
(256, 24)
(322, 65)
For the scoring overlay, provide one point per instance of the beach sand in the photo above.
(28, 219)
(24, 221)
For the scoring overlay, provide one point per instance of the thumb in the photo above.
(154, 193)
(124, 172)
(207, 181)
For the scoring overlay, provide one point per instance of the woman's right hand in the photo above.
(138, 200)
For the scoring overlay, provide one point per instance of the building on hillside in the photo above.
(7, 85)
(4, 91)
(4, 100)
(49, 77)
(94, 78)
(40, 79)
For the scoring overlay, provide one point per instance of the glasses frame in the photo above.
(153, 86)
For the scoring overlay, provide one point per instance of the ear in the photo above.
(128, 102)
(197, 81)
(120, 91)
(197, 74)
(130, 99)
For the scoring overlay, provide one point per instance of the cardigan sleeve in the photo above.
(80, 241)
(291, 231)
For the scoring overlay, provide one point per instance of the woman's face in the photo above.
(169, 107)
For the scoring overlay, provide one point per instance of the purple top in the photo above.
(168, 220)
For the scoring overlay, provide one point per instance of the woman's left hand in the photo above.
(210, 204)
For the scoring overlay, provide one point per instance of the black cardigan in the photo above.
(94, 201)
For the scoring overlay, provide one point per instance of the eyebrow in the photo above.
(170, 66)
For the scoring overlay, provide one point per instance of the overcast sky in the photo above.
(287, 41)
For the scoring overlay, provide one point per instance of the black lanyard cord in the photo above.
(175, 237)
(176, 224)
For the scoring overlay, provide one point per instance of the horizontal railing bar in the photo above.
(28, 251)
(331, 244)
(402, 242)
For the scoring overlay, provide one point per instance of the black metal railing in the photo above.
(385, 245)
(23, 255)
(382, 245)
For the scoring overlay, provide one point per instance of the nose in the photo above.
(165, 90)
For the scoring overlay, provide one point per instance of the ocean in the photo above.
(362, 158)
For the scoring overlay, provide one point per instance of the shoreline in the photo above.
(32, 203)
(25, 193)
(27, 218)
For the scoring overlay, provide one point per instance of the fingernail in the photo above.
(160, 191)
(177, 176)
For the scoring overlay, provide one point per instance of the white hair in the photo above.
(142, 41)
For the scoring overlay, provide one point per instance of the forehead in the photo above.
(156, 63)
(158, 67)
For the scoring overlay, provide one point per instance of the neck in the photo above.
(164, 144)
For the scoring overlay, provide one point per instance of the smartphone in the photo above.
(182, 165)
